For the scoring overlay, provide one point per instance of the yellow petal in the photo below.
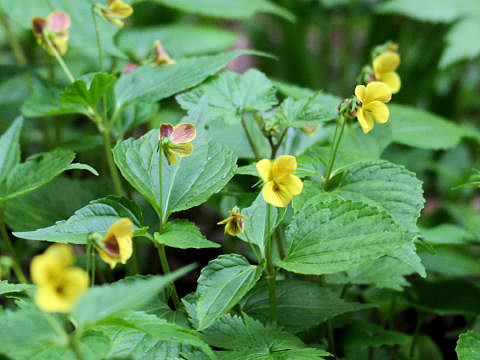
(120, 9)
(118, 243)
(224, 221)
(276, 195)
(378, 110)
(392, 79)
(386, 62)
(126, 248)
(120, 228)
(182, 150)
(291, 184)
(283, 166)
(112, 262)
(61, 254)
(365, 121)
(377, 91)
(264, 168)
(360, 92)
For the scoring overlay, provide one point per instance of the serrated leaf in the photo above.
(183, 234)
(332, 236)
(231, 94)
(222, 284)
(6, 287)
(97, 216)
(186, 184)
(10, 148)
(414, 127)
(36, 171)
(148, 84)
(100, 302)
(300, 304)
(468, 346)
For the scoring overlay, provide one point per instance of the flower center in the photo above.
(111, 246)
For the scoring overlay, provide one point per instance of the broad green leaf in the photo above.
(231, 94)
(449, 261)
(157, 328)
(6, 287)
(38, 170)
(178, 40)
(467, 216)
(446, 234)
(10, 148)
(234, 9)
(97, 216)
(250, 339)
(148, 84)
(132, 116)
(414, 127)
(300, 304)
(103, 301)
(222, 284)
(468, 346)
(183, 234)
(462, 41)
(337, 235)
(360, 334)
(408, 255)
(186, 184)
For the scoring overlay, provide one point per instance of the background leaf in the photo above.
(183, 234)
(468, 346)
(10, 148)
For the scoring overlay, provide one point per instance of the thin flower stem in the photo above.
(271, 274)
(334, 149)
(17, 269)
(250, 139)
(276, 146)
(330, 337)
(259, 259)
(117, 183)
(60, 60)
(166, 270)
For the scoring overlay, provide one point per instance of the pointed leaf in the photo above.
(10, 148)
(183, 234)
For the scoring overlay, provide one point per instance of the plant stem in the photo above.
(117, 183)
(334, 149)
(166, 270)
(420, 317)
(271, 274)
(17, 269)
(281, 246)
(74, 347)
(276, 146)
(250, 139)
(60, 60)
(330, 337)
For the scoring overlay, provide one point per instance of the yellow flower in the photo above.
(176, 140)
(233, 224)
(280, 183)
(116, 9)
(384, 67)
(59, 284)
(52, 31)
(372, 104)
(117, 245)
(161, 56)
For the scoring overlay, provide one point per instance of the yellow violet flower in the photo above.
(280, 183)
(372, 104)
(161, 56)
(52, 31)
(117, 245)
(59, 284)
(176, 140)
(233, 224)
(384, 67)
(116, 10)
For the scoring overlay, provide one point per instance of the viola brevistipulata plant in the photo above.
(281, 185)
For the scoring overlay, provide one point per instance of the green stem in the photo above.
(415, 334)
(117, 183)
(280, 244)
(250, 140)
(392, 309)
(166, 270)
(271, 274)
(60, 60)
(74, 347)
(275, 147)
(334, 149)
(17, 269)
(330, 337)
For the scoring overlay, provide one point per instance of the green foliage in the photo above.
(468, 346)
(10, 148)
(6, 287)
(182, 234)
(363, 334)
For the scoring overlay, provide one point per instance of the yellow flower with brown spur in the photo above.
(176, 140)
(233, 224)
(372, 104)
(280, 183)
(52, 32)
(384, 67)
(59, 284)
(115, 10)
(116, 247)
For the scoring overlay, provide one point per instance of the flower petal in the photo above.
(38, 25)
(392, 79)
(184, 133)
(264, 168)
(58, 21)
(126, 248)
(182, 150)
(283, 166)
(386, 62)
(166, 130)
(291, 184)
(378, 110)
(360, 91)
(377, 90)
(119, 9)
(121, 228)
(365, 120)
(276, 195)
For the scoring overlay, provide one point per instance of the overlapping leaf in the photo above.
(183, 234)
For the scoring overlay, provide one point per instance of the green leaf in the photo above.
(103, 301)
(183, 234)
(222, 284)
(35, 172)
(414, 127)
(10, 148)
(300, 304)
(231, 94)
(97, 216)
(186, 184)
(462, 41)
(6, 287)
(234, 9)
(80, 166)
(157, 328)
(467, 216)
(468, 346)
(450, 261)
(250, 339)
(337, 235)
(148, 84)
(360, 334)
